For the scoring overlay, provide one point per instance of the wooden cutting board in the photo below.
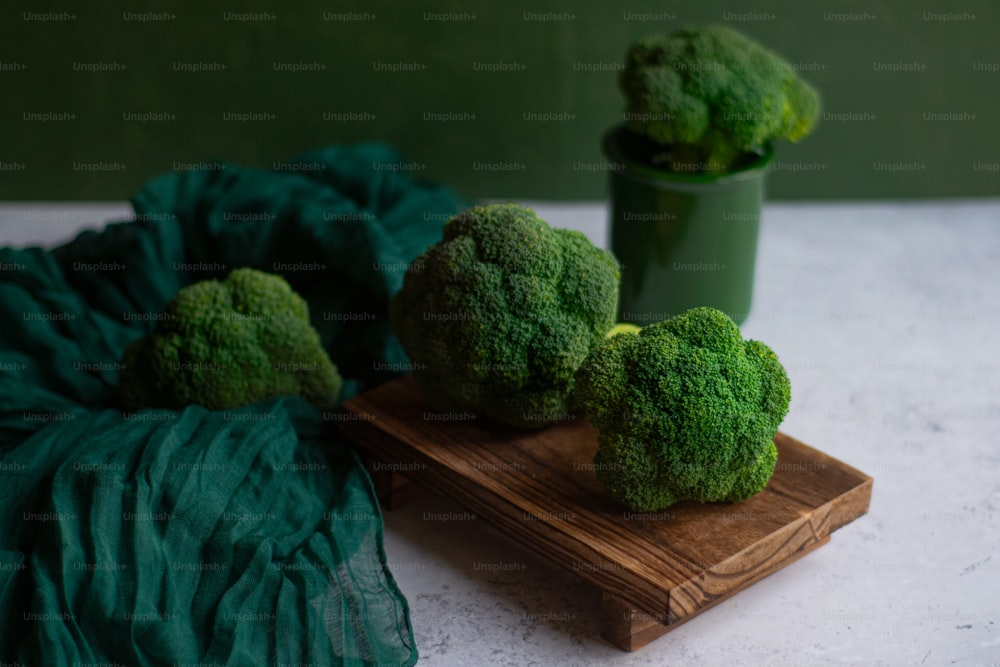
(655, 570)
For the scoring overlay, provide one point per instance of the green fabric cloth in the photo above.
(242, 537)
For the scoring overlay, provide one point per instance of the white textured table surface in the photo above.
(887, 318)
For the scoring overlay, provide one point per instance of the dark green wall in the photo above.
(929, 131)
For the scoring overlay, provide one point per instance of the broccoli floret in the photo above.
(227, 344)
(686, 409)
(712, 95)
(499, 314)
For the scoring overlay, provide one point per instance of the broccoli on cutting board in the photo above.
(498, 315)
(686, 410)
(227, 344)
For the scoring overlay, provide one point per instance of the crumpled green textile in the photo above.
(241, 537)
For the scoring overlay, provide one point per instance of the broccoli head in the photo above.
(227, 344)
(499, 314)
(711, 95)
(686, 409)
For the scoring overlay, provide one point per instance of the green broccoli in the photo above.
(710, 95)
(227, 344)
(499, 314)
(624, 327)
(686, 409)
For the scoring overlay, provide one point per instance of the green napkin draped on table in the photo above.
(241, 537)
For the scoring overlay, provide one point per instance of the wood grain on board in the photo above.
(656, 570)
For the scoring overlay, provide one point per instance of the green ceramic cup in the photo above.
(684, 240)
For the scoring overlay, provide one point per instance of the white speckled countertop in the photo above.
(887, 318)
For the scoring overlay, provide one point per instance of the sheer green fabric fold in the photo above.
(249, 536)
